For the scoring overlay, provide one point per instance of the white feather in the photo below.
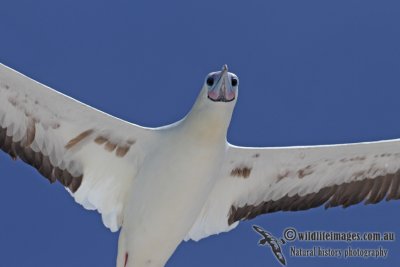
(58, 120)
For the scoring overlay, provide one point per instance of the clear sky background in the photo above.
(311, 72)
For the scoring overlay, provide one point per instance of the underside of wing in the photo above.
(94, 155)
(256, 181)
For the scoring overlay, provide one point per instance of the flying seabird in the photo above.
(183, 181)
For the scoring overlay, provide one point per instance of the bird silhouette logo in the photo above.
(273, 242)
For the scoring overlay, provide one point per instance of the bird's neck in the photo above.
(208, 122)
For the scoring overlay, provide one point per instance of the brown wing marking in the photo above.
(369, 190)
(38, 160)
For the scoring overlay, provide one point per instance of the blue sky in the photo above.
(311, 72)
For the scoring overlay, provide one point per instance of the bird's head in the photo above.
(212, 111)
(221, 86)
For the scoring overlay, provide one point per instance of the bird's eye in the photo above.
(234, 81)
(210, 81)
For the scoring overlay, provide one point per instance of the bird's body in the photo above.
(183, 181)
(169, 191)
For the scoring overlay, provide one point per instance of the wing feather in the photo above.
(59, 136)
(256, 181)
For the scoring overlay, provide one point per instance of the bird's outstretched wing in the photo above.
(94, 155)
(255, 181)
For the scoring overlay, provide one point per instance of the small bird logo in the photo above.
(273, 242)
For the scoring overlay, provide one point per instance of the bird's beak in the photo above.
(222, 90)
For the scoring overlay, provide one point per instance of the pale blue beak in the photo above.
(222, 90)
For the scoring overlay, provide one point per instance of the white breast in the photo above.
(167, 196)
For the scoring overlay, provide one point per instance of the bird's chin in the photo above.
(221, 99)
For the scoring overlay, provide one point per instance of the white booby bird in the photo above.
(182, 181)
